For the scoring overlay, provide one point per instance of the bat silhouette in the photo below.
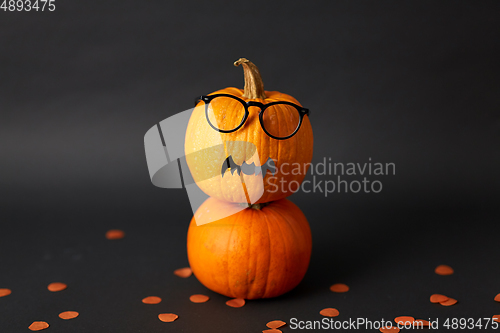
(248, 169)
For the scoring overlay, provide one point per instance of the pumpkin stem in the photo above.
(254, 87)
(259, 206)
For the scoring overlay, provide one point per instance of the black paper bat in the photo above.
(248, 169)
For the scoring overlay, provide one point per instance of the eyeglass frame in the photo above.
(207, 99)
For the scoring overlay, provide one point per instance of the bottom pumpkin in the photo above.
(259, 252)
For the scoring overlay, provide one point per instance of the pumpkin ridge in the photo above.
(249, 285)
(227, 261)
(284, 245)
(269, 256)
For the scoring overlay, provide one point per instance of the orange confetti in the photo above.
(392, 329)
(151, 300)
(272, 330)
(38, 326)
(450, 301)
(198, 298)
(115, 234)
(496, 318)
(236, 302)
(68, 315)
(444, 270)
(438, 298)
(421, 323)
(183, 272)
(329, 312)
(497, 297)
(275, 324)
(167, 317)
(339, 288)
(403, 320)
(57, 286)
(5, 292)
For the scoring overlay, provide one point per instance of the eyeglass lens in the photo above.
(280, 120)
(217, 113)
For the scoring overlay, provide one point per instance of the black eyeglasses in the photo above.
(271, 115)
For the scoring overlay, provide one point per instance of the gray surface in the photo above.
(414, 83)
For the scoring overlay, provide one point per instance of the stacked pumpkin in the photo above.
(263, 250)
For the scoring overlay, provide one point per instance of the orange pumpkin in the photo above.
(207, 149)
(259, 252)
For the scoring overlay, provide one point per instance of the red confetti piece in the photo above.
(421, 323)
(438, 298)
(57, 286)
(38, 326)
(339, 288)
(183, 272)
(449, 302)
(275, 324)
(115, 234)
(444, 270)
(329, 312)
(272, 330)
(68, 315)
(5, 292)
(198, 298)
(497, 298)
(392, 329)
(496, 318)
(167, 317)
(151, 300)
(403, 320)
(236, 303)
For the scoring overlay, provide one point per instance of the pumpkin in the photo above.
(259, 252)
(207, 149)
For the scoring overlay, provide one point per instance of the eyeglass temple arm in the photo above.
(197, 100)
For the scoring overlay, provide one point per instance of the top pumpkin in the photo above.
(232, 128)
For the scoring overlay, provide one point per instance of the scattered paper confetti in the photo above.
(236, 302)
(497, 297)
(198, 298)
(421, 323)
(115, 234)
(404, 320)
(275, 324)
(5, 292)
(449, 301)
(339, 288)
(151, 300)
(68, 315)
(167, 317)
(57, 286)
(392, 329)
(444, 270)
(438, 298)
(38, 326)
(183, 272)
(329, 312)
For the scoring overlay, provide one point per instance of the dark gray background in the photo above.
(413, 83)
